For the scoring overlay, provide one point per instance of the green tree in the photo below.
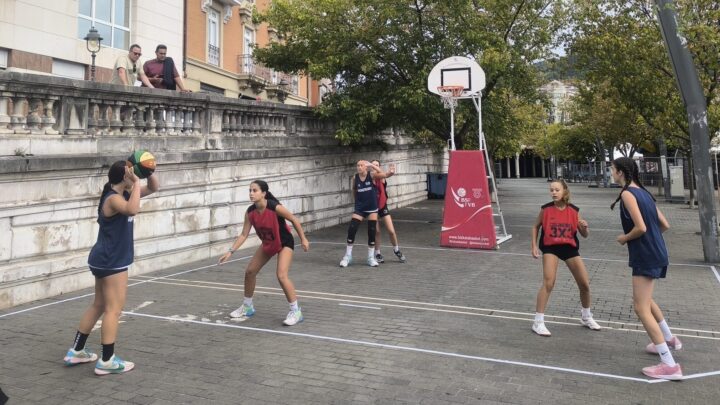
(618, 44)
(379, 54)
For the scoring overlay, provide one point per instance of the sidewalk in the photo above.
(448, 326)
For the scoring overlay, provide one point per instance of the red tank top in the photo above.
(267, 227)
(559, 226)
(382, 195)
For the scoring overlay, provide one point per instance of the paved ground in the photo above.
(449, 326)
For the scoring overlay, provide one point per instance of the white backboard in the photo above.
(457, 71)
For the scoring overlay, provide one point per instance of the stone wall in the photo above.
(208, 150)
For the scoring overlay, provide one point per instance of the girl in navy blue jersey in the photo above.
(268, 217)
(109, 260)
(559, 223)
(366, 206)
(643, 225)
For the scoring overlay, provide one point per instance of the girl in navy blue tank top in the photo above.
(366, 206)
(643, 224)
(268, 217)
(109, 260)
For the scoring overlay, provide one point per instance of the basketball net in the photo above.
(449, 95)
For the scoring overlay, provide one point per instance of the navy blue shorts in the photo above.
(102, 273)
(563, 252)
(657, 272)
(364, 214)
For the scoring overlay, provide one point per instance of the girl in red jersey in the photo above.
(560, 222)
(268, 217)
(384, 215)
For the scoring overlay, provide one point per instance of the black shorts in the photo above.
(287, 241)
(656, 272)
(563, 252)
(102, 273)
(383, 212)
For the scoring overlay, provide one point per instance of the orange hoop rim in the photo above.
(450, 91)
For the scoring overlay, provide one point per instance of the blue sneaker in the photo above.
(74, 357)
(245, 311)
(115, 365)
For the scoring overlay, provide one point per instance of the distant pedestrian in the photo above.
(109, 260)
(384, 215)
(643, 225)
(268, 216)
(127, 71)
(559, 222)
(366, 206)
(161, 71)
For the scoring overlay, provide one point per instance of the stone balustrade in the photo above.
(50, 115)
(59, 136)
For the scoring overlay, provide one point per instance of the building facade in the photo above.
(220, 38)
(46, 37)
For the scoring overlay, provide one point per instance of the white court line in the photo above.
(129, 285)
(428, 306)
(412, 349)
(494, 252)
(717, 276)
(358, 306)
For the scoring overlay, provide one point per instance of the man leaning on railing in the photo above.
(161, 71)
(126, 71)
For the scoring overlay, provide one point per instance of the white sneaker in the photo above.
(372, 262)
(245, 311)
(346, 261)
(590, 323)
(293, 317)
(540, 329)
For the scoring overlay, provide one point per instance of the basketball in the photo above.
(142, 162)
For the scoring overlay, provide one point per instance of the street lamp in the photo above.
(282, 90)
(93, 40)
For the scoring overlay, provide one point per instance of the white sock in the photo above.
(248, 301)
(665, 355)
(377, 251)
(539, 317)
(294, 306)
(665, 330)
(586, 314)
(396, 249)
(348, 250)
(371, 251)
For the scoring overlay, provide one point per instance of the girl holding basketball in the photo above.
(109, 260)
(559, 222)
(643, 225)
(268, 217)
(384, 215)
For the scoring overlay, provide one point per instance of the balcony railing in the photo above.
(249, 66)
(213, 55)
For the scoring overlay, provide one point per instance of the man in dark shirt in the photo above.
(161, 71)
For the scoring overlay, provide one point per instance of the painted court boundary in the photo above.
(419, 350)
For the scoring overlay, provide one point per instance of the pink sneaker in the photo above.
(673, 344)
(664, 371)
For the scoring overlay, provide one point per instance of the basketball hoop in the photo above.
(449, 95)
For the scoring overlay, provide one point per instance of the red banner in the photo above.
(468, 220)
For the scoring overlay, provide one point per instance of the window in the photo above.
(211, 89)
(3, 58)
(110, 17)
(68, 69)
(213, 37)
(249, 42)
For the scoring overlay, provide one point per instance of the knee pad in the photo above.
(352, 230)
(372, 227)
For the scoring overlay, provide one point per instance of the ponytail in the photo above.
(631, 173)
(116, 175)
(270, 196)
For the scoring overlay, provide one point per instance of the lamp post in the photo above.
(93, 40)
(282, 90)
